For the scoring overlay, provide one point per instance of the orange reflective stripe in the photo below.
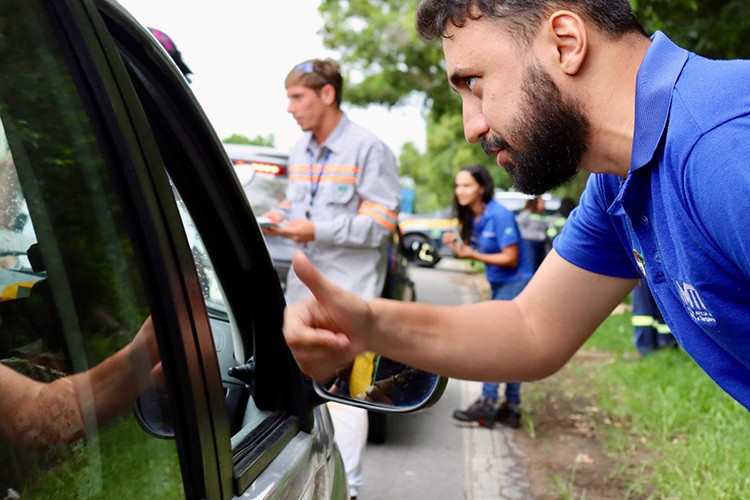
(299, 178)
(339, 178)
(285, 204)
(341, 169)
(327, 178)
(378, 218)
(380, 208)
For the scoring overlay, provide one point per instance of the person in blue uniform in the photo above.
(548, 88)
(488, 232)
(650, 333)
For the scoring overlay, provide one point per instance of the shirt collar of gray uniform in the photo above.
(333, 143)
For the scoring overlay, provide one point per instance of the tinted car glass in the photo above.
(72, 293)
(267, 419)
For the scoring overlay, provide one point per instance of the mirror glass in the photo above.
(384, 383)
(152, 411)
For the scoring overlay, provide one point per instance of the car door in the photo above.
(122, 212)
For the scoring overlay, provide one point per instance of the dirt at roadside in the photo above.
(565, 455)
(564, 452)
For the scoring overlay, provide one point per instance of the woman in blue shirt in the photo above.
(494, 239)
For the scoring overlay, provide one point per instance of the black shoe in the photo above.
(481, 411)
(509, 414)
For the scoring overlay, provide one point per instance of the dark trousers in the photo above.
(649, 330)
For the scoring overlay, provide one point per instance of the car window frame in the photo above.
(166, 273)
(206, 179)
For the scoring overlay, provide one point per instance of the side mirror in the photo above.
(152, 412)
(381, 384)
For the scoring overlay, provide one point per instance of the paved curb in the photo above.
(493, 468)
(492, 459)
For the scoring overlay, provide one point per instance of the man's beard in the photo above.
(552, 134)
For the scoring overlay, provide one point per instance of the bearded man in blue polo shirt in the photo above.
(548, 87)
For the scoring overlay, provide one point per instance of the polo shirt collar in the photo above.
(657, 76)
(334, 141)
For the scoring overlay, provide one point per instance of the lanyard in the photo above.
(315, 184)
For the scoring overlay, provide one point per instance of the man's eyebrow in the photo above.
(456, 78)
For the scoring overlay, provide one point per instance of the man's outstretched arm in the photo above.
(527, 338)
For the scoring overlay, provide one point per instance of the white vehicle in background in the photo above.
(262, 172)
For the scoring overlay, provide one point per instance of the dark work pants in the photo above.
(649, 330)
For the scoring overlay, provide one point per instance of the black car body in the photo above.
(118, 207)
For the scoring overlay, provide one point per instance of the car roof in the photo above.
(514, 200)
(250, 152)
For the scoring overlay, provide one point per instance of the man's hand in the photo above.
(327, 331)
(301, 231)
(275, 217)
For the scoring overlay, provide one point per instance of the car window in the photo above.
(263, 390)
(244, 416)
(72, 296)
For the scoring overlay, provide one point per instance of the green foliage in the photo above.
(447, 152)
(258, 140)
(693, 432)
(714, 28)
(386, 63)
(378, 40)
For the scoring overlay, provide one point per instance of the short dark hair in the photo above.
(316, 74)
(614, 18)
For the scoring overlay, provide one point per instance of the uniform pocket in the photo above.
(337, 193)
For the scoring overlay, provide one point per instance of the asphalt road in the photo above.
(424, 455)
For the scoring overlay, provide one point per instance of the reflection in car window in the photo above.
(243, 414)
(71, 293)
(210, 286)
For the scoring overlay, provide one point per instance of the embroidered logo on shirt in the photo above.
(694, 304)
(640, 261)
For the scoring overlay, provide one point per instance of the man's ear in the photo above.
(328, 94)
(569, 34)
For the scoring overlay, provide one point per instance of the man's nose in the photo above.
(475, 126)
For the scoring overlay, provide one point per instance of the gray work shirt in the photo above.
(348, 187)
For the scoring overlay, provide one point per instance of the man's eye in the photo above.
(471, 82)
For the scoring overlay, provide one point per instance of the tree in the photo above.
(717, 29)
(258, 140)
(386, 63)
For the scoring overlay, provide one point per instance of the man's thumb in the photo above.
(320, 287)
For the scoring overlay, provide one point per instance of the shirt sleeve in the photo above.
(589, 239)
(379, 196)
(718, 192)
(507, 230)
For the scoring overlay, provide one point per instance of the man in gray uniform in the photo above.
(341, 209)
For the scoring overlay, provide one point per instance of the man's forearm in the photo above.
(484, 341)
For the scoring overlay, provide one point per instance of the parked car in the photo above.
(515, 201)
(428, 229)
(263, 175)
(262, 172)
(119, 208)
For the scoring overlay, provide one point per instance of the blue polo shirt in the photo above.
(681, 218)
(495, 230)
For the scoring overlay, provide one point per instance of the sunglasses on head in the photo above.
(305, 67)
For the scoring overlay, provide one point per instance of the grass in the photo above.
(667, 406)
(123, 462)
